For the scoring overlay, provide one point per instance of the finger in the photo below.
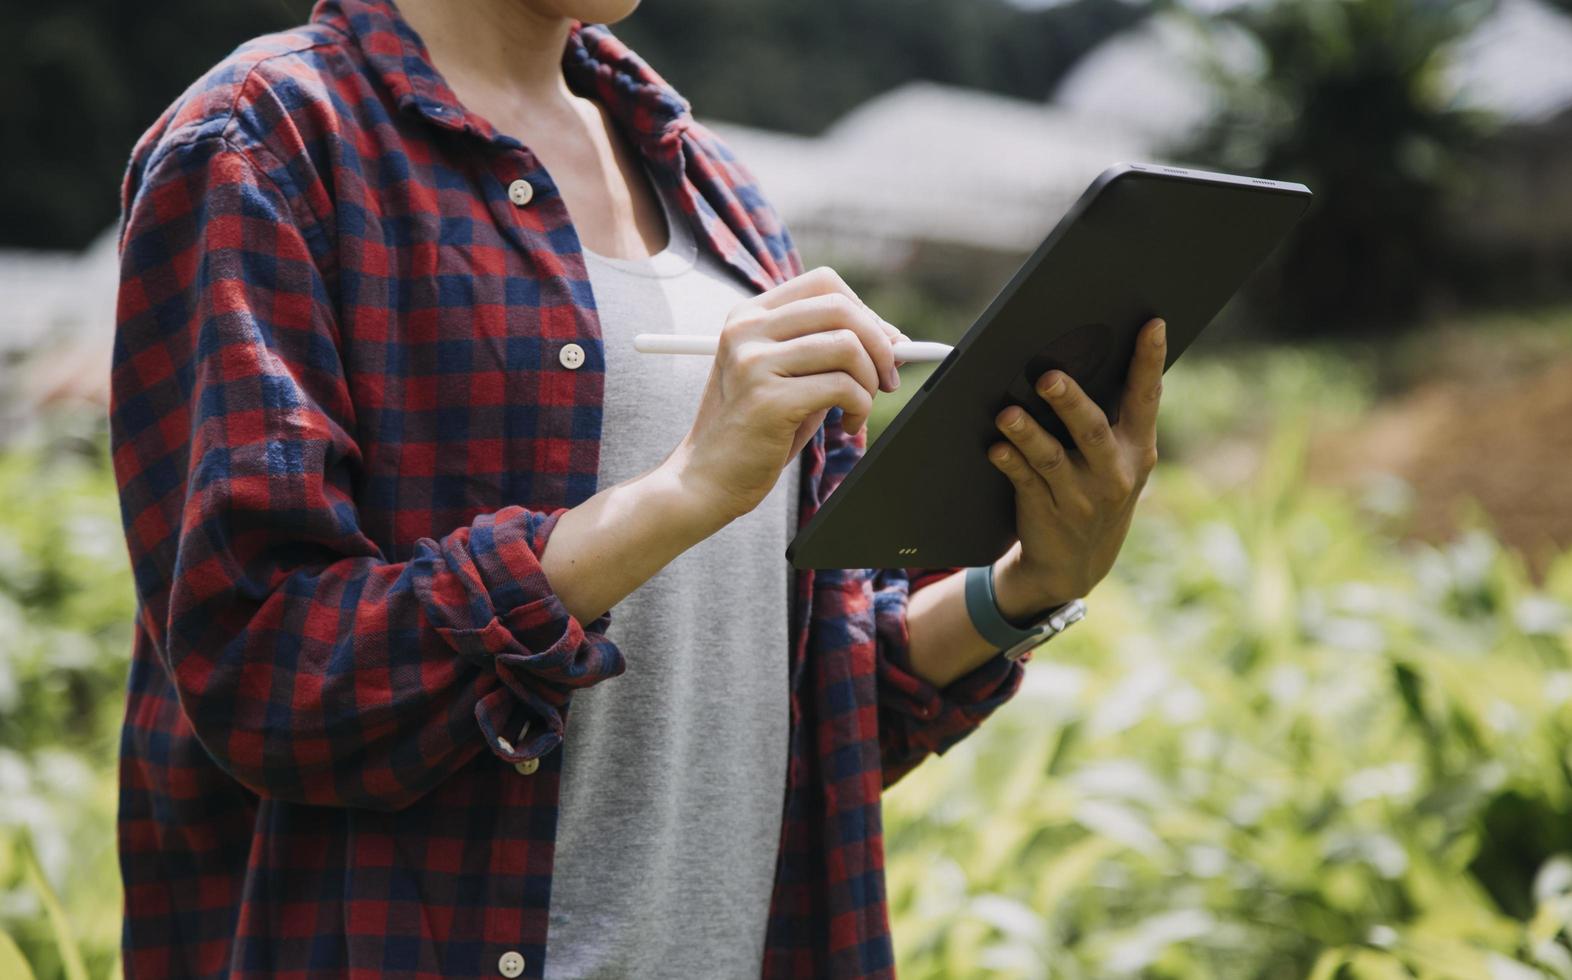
(821, 351)
(890, 329)
(814, 282)
(806, 429)
(1042, 452)
(831, 311)
(896, 337)
(821, 281)
(1085, 420)
(808, 394)
(1143, 388)
(1029, 484)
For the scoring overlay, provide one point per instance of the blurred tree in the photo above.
(1347, 96)
(809, 61)
(84, 79)
(87, 77)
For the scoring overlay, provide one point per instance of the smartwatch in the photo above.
(1013, 640)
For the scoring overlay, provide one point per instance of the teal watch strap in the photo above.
(1013, 640)
(984, 610)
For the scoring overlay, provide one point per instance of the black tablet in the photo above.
(1145, 240)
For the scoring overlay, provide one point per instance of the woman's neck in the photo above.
(498, 49)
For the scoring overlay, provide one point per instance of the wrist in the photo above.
(683, 506)
(1021, 597)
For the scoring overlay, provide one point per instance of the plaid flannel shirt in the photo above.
(343, 435)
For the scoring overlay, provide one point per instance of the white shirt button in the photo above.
(571, 356)
(520, 192)
(527, 767)
(511, 964)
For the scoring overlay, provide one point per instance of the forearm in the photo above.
(944, 643)
(606, 547)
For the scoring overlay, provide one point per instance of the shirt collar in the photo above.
(594, 61)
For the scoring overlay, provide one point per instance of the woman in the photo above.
(387, 461)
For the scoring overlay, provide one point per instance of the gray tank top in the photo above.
(674, 773)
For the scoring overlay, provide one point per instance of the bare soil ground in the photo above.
(1499, 434)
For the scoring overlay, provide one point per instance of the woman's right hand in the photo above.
(785, 358)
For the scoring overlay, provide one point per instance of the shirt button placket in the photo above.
(511, 964)
(571, 356)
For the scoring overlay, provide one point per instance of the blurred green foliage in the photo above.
(828, 56)
(85, 78)
(1281, 745)
(1284, 744)
(66, 607)
(81, 81)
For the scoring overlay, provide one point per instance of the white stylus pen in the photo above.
(907, 351)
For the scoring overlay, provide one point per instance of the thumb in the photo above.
(805, 432)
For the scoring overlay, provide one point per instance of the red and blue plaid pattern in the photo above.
(343, 438)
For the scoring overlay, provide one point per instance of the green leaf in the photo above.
(12, 963)
(1328, 963)
(65, 941)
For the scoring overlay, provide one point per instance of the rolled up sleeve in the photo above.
(915, 717)
(310, 666)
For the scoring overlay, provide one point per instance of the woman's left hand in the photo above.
(1073, 506)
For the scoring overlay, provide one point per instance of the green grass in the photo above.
(65, 633)
(1284, 743)
(1281, 745)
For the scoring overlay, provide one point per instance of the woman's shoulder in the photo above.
(271, 97)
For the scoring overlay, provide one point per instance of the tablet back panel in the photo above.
(1143, 241)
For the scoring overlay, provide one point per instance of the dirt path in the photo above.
(1506, 442)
